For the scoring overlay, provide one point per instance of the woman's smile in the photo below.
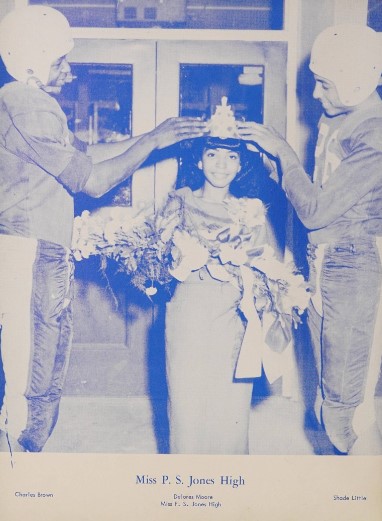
(220, 166)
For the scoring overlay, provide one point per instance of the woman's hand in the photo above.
(174, 130)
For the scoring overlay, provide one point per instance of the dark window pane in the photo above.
(98, 105)
(150, 13)
(203, 86)
(130, 13)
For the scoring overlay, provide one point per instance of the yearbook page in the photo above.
(185, 398)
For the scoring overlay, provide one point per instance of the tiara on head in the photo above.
(222, 124)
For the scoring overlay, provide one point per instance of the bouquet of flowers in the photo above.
(127, 237)
(155, 250)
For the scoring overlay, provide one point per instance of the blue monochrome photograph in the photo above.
(191, 229)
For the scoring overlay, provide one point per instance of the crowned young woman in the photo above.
(222, 254)
(232, 302)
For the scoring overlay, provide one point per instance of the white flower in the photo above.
(77, 255)
(121, 213)
(210, 235)
(297, 294)
(85, 248)
(289, 288)
(110, 231)
(77, 226)
(236, 256)
(246, 212)
(166, 226)
(219, 272)
(85, 215)
(191, 253)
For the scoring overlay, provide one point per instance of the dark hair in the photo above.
(249, 182)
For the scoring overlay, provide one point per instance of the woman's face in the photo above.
(220, 166)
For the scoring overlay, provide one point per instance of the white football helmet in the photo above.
(350, 56)
(31, 39)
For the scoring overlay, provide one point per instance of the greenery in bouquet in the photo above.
(157, 250)
(240, 251)
(127, 237)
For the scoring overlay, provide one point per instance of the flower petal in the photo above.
(218, 272)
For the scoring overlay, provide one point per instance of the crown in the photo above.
(222, 124)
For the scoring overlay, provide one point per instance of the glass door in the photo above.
(127, 88)
(192, 77)
(111, 98)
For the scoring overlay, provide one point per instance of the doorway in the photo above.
(129, 87)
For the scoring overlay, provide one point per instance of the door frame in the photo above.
(170, 56)
(141, 55)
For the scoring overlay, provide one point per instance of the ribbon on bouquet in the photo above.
(267, 343)
(249, 363)
(255, 352)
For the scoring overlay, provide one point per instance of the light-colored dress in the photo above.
(208, 408)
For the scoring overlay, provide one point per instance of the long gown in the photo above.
(208, 408)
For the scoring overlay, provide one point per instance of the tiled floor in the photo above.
(103, 411)
(134, 425)
(127, 425)
(106, 409)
